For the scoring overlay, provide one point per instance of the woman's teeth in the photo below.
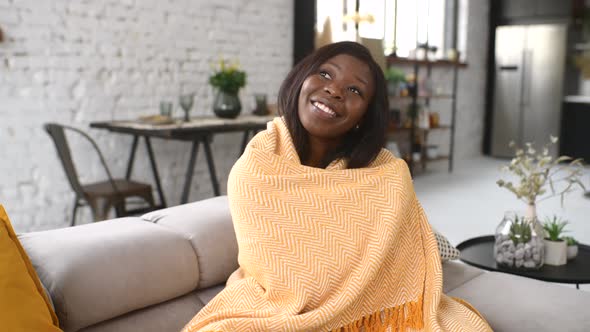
(324, 108)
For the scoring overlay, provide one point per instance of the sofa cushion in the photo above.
(207, 294)
(99, 271)
(457, 273)
(208, 225)
(23, 303)
(446, 250)
(513, 303)
(170, 316)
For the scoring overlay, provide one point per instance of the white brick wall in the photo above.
(75, 62)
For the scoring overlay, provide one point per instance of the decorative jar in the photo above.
(519, 242)
(227, 104)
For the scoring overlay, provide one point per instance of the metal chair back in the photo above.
(58, 135)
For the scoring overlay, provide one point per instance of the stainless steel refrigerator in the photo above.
(530, 62)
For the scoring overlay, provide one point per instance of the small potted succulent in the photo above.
(555, 246)
(572, 247)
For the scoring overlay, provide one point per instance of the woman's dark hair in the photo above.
(360, 146)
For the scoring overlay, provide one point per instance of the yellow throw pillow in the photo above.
(23, 304)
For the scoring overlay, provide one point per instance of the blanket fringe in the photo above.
(396, 319)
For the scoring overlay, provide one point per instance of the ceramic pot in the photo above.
(572, 252)
(393, 88)
(227, 104)
(555, 252)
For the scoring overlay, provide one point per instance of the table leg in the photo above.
(148, 145)
(577, 286)
(131, 157)
(209, 156)
(189, 172)
(244, 141)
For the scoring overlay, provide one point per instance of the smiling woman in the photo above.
(334, 103)
(330, 233)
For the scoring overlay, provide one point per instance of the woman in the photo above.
(331, 236)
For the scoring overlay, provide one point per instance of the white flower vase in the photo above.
(555, 252)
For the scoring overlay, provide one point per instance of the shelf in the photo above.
(441, 96)
(439, 158)
(428, 160)
(422, 163)
(441, 62)
(441, 127)
(409, 139)
(581, 46)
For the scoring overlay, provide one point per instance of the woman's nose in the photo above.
(334, 90)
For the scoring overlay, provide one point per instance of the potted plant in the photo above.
(572, 247)
(555, 246)
(395, 78)
(540, 177)
(227, 79)
(517, 245)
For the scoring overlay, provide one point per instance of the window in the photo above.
(401, 24)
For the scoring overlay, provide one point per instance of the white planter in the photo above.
(572, 252)
(555, 252)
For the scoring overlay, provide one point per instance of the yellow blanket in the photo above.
(331, 249)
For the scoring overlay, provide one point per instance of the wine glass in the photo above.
(186, 103)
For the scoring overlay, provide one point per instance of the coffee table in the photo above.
(479, 253)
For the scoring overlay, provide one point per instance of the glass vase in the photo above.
(227, 104)
(519, 242)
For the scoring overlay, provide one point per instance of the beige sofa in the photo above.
(154, 273)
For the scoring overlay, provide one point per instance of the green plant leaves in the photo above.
(554, 227)
(228, 78)
(520, 231)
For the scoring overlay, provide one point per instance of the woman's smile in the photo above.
(323, 111)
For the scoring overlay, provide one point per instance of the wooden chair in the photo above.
(99, 196)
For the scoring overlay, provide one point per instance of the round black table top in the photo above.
(479, 253)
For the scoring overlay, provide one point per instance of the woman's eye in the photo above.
(325, 74)
(355, 90)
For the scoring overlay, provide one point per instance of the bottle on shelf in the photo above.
(423, 117)
(434, 119)
(426, 87)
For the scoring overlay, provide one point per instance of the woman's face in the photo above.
(334, 99)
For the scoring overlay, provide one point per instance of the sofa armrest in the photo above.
(208, 225)
(456, 273)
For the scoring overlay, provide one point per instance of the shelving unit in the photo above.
(412, 133)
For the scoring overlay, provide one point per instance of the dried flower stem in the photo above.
(536, 169)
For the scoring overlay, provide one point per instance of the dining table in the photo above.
(199, 130)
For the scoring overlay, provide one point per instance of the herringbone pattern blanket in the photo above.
(331, 249)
